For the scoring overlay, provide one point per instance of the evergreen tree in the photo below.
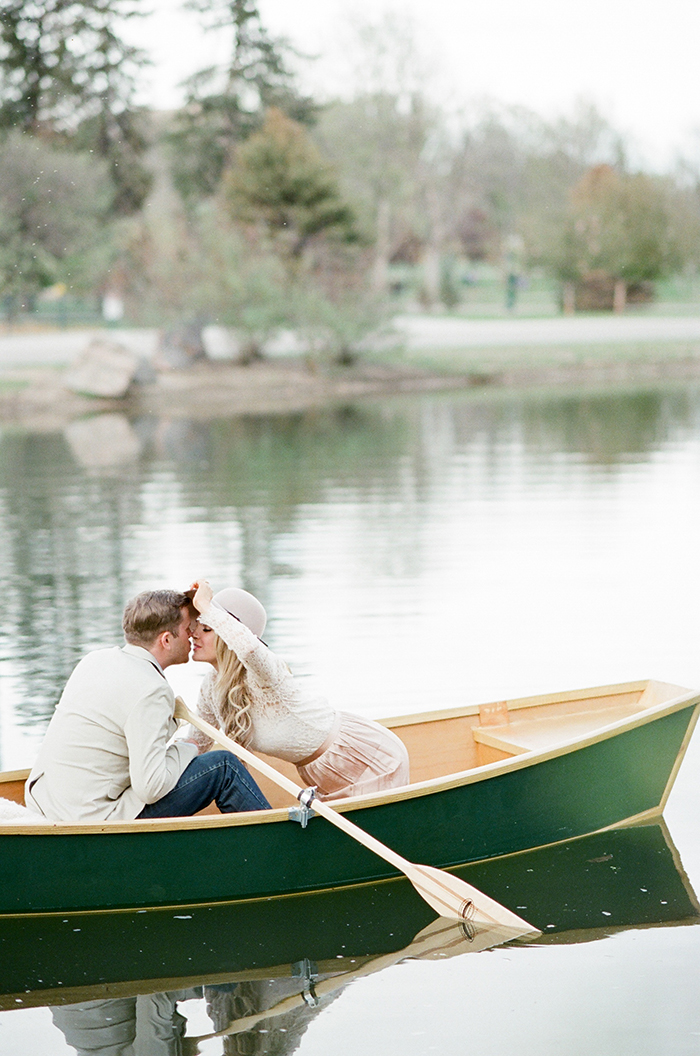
(279, 181)
(225, 104)
(38, 68)
(66, 73)
(112, 124)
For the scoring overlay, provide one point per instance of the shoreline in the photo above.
(37, 396)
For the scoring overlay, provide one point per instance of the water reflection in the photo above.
(255, 975)
(586, 887)
(610, 429)
(429, 551)
(148, 1025)
(91, 515)
(263, 1013)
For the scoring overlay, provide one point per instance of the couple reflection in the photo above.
(148, 1025)
(264, 1013)
(152, 1025)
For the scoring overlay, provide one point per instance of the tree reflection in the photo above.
(79, 527)
(62, 576)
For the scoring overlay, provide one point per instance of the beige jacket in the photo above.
(106, 753)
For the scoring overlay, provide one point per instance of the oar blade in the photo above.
(446, 938)
(456, 899)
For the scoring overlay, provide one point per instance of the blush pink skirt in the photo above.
(362, 757)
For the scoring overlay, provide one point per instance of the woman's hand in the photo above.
(202, 596)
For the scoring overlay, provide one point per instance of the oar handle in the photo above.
(326, 811)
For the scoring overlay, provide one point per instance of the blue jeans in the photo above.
(217, 776)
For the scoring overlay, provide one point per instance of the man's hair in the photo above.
(152, 612)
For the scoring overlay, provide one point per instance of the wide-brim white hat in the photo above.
(244, 606)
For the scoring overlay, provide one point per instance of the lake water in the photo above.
(413, 553)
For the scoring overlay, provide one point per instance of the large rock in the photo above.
(106, 369)
(180, 347)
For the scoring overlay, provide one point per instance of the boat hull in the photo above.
(535, 800)
(634, 873)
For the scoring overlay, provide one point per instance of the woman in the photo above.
(253, 697)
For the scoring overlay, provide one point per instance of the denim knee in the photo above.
(237, 774)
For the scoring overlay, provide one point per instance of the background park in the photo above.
(395, 322)
(264, 209)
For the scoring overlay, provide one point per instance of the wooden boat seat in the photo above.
(530, 735)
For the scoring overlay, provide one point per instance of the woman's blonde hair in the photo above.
(233, 693)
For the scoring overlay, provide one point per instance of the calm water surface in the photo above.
(413, 553)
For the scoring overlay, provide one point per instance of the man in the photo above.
(106, 753)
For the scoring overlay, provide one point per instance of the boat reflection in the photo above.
(259, 972)
(256, 1011)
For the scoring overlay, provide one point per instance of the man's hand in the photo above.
(189, 740)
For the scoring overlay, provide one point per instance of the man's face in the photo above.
(180, 643)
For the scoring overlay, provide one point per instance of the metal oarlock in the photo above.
(304, 812)
(308, 972)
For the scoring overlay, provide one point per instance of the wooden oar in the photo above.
(439, 939)
(448, 895)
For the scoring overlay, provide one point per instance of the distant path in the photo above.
(59, 347)
(429, 331)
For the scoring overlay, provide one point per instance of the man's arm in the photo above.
(154, 766)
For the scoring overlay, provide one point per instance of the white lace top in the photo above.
(285, 723)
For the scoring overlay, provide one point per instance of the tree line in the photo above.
(259, 207)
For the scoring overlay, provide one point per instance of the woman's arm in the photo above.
(205, 709)
(268, 669)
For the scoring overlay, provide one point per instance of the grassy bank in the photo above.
(503, 364)
(281, 385)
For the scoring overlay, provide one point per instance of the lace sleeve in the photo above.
(268, 669)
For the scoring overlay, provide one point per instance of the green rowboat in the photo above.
(576, 891)
(487, 781)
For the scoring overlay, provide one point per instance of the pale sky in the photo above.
(636, 59)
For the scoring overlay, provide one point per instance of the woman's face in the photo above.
(204, 644)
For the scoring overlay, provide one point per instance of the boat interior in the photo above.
(452, 741)
(442, 743)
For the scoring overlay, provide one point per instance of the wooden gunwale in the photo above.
(569, 696)
(644, 716)
(335, 968)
